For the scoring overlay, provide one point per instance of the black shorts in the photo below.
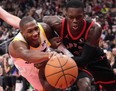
(103, 74)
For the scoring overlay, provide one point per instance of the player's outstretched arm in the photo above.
(19, 49)
(9, 18)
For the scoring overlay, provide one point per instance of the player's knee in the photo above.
(84, 84)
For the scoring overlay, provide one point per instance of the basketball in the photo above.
(61, 71)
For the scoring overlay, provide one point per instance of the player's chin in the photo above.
(35, 43)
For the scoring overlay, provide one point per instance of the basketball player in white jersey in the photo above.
(28, 48)
(9, 18)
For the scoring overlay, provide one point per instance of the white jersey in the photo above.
(26, 69)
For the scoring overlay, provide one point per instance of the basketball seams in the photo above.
(70, 75)
(58, 80)
(53, 73)
(70, 67)
(53, 65)
(60, 68)
(63, 70)
(64, 63)
(48, 64)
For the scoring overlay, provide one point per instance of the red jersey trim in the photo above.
(75, 38)
(98, 82)
(86, 35)
(108, 82)
(62, 29)
(86, 71)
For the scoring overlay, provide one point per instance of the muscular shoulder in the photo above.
(54, 21)
(16, 47)
(44, 25)
(94, 34)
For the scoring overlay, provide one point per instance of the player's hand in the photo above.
(40, 65)
(55, 42)
(58, 51)
(52, 53)
(54, 50)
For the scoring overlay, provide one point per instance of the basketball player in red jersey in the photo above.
(9, 18)
(81, 38)
(30, 47)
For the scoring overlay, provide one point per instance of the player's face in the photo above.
(74, 17)
(31, 33)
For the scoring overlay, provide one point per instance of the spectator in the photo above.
(22, 7)
(104, 9)
(88, 8)
(1, 73)
(114, 65)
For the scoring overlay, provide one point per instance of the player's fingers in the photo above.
(58, 51)
(55, 53)
(58, 42)
(56, 39)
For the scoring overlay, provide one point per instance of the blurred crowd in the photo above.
(101, 11)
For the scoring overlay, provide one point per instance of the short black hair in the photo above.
(25, 20)
(75, 4)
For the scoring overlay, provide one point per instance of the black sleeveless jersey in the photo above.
(75, 44)
(99, 66)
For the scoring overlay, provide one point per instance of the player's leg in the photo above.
(103, 74)
(84, 81)
(84, 84)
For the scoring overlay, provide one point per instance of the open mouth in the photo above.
(75, 27)
(36, 37)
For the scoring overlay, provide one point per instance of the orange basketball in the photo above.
(61, 71)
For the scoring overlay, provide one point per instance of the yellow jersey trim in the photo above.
(42, 30)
